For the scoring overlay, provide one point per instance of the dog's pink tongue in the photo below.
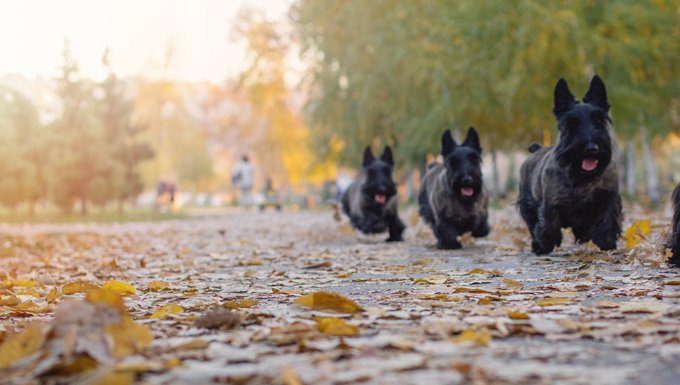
(467, 191)
(380, 198)
(589, 164)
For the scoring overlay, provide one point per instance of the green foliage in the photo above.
(403, 71)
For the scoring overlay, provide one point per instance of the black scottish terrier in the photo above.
(574, 184)
(453, 199)
(371, 201)
(674, 240)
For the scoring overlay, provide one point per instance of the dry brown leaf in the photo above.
(218, 318)
(324, 300)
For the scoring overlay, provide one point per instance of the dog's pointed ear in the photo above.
(472, 140)
(448, 144)
(564, 99)
(597, 94)
(368, 157)
(387, 156)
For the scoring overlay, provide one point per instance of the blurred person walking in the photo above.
(242, 177)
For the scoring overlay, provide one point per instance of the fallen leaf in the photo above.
(251, 262)
(10, 300)
(78, 287)
(290, 377)
(129, 337)
(158, 285)
(166, 310)
(513, 314)
(644, 307)
(218, 318)
(553, 301)
(607, 304)
(52, 295)
(474, 337)
(512, 284)
(421, 262)
(121, 288)
(323, 300)
(637, 232)
(240, 304)
(336, 327)
(491, 273)
(18, 346)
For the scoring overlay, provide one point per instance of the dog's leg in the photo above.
(396, 228)
(607, 227)
(547, 233)
(447, 236)
(481, 228)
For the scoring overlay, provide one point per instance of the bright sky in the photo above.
(136, 31)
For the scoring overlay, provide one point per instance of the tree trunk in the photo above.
(495, 176)
(410, 184)
(650, 169)
(630, 169)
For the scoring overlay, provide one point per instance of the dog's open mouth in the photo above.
(380, 198)
(467, 191)
(589, 164)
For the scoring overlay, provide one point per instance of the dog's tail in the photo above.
(674, 240)
(535, 146)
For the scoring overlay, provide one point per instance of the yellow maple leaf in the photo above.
(121, 288)
(78, 287)
(637, 232)
(166, 310)
(129, 337)
(553, 301)
(21, 345)
(158, 285)
(52, 295)
(10, 300)
(333, 326)
(242, 303)
(324, 300)
(106, 298)
(474, 337)
(514, 314)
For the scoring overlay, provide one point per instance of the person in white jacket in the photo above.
(242, 177)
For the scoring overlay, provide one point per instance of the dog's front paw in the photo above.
(395, 239)
(481, 231)
(449, 245)
(541, 248)
(606, 244)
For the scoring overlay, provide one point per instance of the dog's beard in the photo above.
(581, 164)
(379, 195)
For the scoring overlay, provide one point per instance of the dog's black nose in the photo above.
(467, 180)
(592, 148)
